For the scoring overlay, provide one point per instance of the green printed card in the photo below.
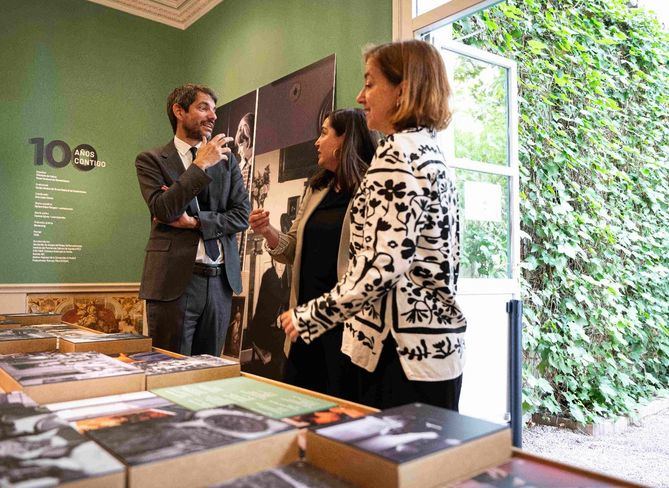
(258, 396)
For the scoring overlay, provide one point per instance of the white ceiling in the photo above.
(176, 13)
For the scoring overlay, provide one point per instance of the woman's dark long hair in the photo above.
(357, 151)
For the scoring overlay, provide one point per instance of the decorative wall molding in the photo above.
(175, 13)
(68, 288)
(107, 312)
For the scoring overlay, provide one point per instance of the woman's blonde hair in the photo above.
(425, 98)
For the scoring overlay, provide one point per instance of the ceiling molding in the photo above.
(175, 13)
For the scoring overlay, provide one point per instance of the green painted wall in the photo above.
(82, 73)
(244, 44)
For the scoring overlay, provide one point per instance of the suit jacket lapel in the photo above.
(173, 162)
(215, 185)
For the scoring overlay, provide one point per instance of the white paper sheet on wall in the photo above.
(483, 201)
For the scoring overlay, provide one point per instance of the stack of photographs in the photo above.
(120, 342)
(51, 330)
(39, 449)
(33, 318)
(411, 445)
(258, 396)
(164, 370)
(113, 410)
(55, 330)
(8, 324)
(199, 448)
(25, 340)
(54, 377)
(294, 475)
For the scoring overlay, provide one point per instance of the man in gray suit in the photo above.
(198, 202)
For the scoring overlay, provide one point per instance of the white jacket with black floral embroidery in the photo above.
(403, 268)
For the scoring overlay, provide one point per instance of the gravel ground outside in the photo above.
(639, 454)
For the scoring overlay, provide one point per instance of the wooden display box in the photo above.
(410, 446)
(55, 377)
(33, 318)
(186, 377)
(113, 480)
(216, 465)
(524, 469)
(28, 345)
(9, 324)
(110, 346)
(157, 378)
(188, 449)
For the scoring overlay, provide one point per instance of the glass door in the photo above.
(481, 147)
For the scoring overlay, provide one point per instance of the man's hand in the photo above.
(286, 322)
(185, 221)
(213, 151)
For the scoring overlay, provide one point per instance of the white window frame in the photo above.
(488, 286)
(405, 26)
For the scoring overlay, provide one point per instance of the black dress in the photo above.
(321, 366)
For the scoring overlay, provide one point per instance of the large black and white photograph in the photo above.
(187, 432)
(233, 340)
(53, 367)
(409, 432)
(289, 117)
(295, 475)
(236, 119)
(53, 456)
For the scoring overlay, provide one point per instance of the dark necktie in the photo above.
(210, 245)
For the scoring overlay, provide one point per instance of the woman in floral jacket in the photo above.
(402, 325)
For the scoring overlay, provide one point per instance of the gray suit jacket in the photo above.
(170, 252)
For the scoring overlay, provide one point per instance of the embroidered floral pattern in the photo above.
(404, 263)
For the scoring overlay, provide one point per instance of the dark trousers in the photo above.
(197, 321)
(389, 387)
(321, 366)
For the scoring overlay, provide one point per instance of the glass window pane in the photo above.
(484, 224)
(480, 118)
(422, 6)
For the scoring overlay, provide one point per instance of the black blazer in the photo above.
(170, 252)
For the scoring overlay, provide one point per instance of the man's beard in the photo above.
(196, 132)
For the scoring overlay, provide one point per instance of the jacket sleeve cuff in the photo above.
(280, 248)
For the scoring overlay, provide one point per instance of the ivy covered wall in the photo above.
(594, 145)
